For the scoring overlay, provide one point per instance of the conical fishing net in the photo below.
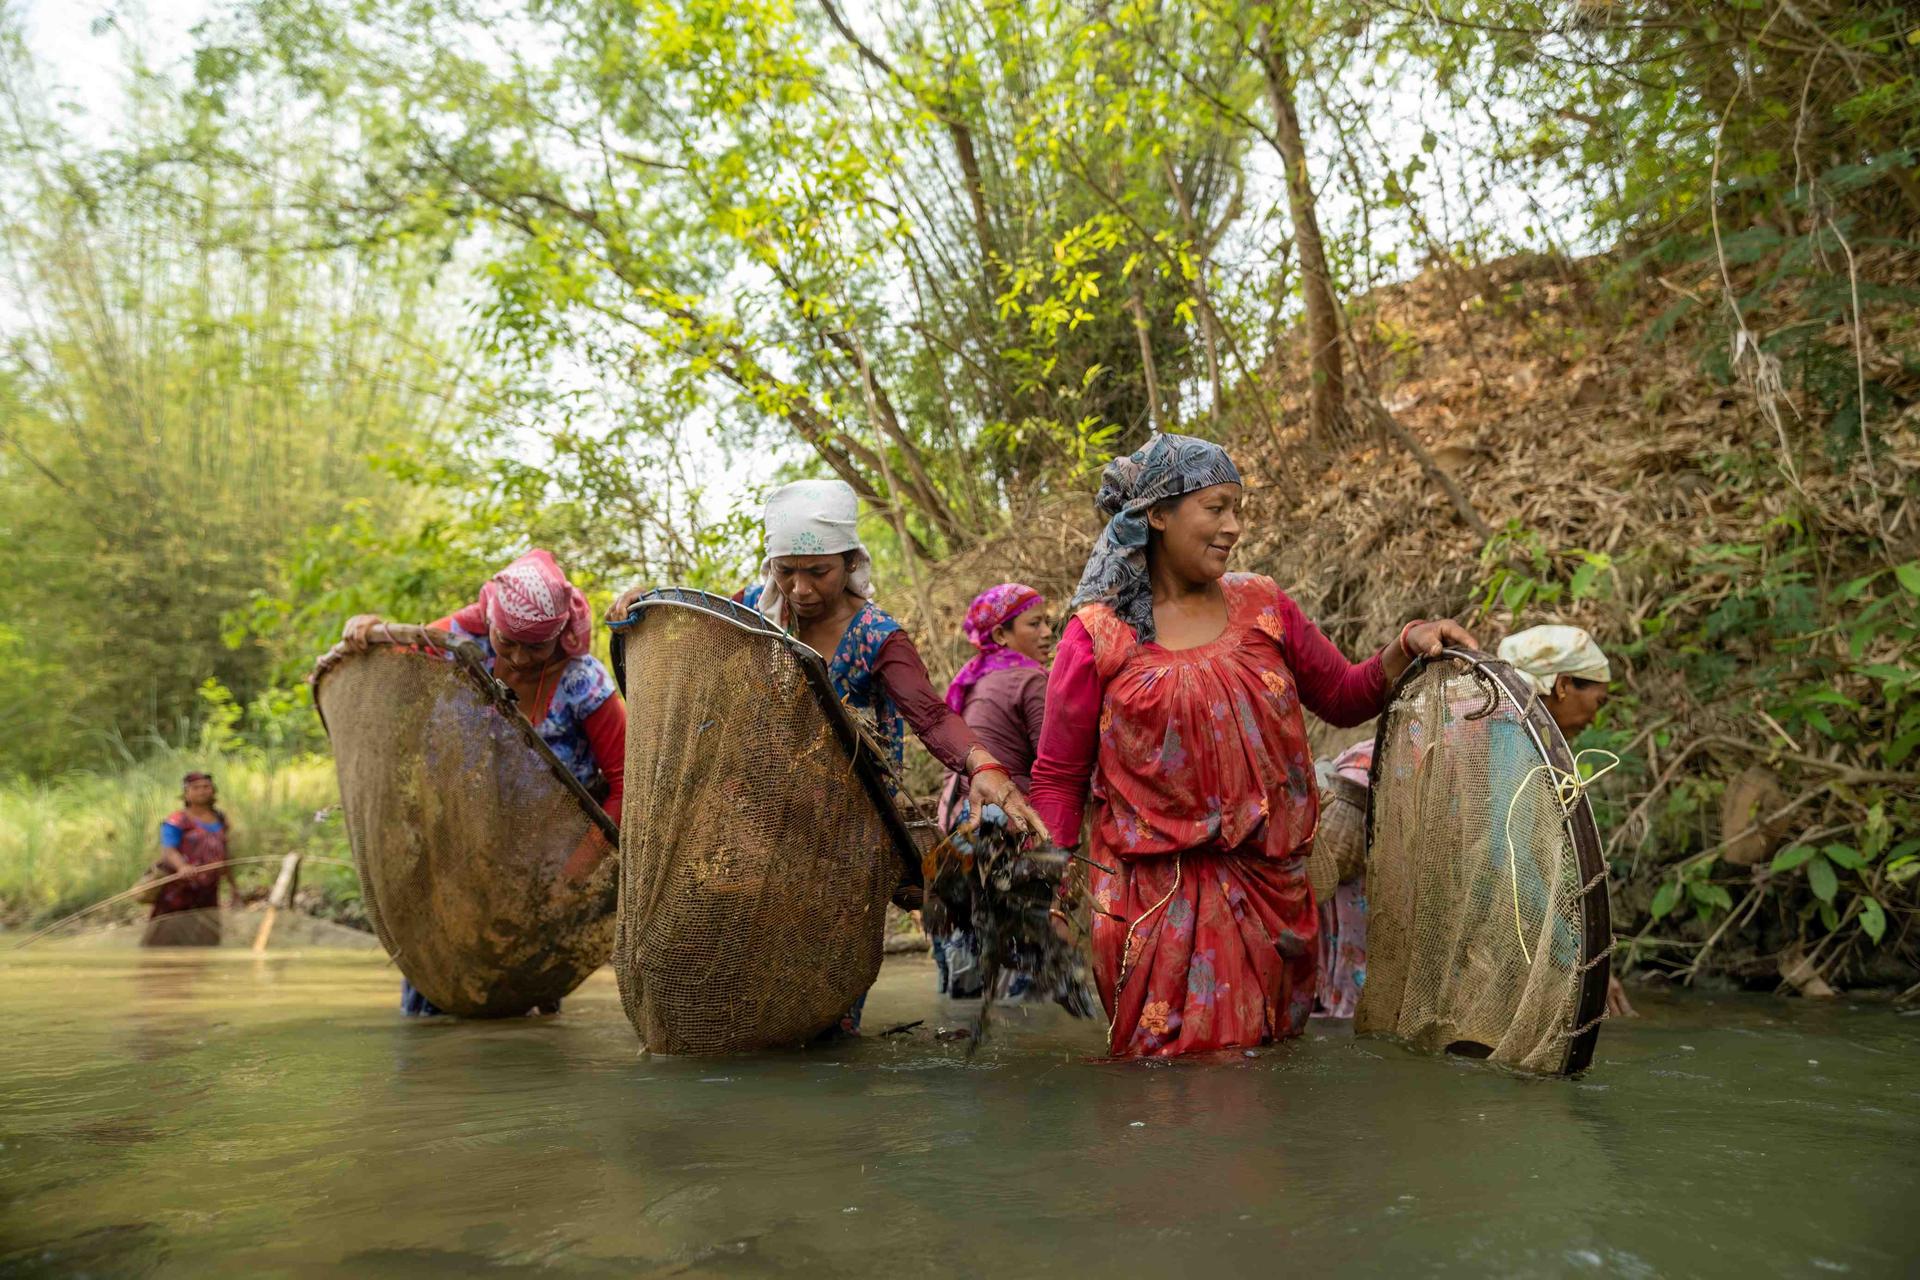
(760, 844)
(1487, 927)
(467, 833)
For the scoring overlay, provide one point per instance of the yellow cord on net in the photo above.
(1567, 788)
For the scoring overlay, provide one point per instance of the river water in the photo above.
(221, 1114)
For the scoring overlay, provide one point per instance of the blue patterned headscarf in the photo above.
(1165, 467)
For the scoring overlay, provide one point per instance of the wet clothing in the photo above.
(1203, 801)
(584, 721)
(198, 845)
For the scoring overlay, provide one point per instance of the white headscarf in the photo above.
(812, 518)
(1541, 653)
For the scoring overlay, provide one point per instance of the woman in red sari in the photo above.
(1176, 699)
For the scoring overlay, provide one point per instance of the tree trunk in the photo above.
(1316, 281)
(1139, 312)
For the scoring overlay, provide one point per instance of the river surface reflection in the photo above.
(218, 1114)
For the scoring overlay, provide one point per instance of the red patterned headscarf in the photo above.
(991, 609)
(532, 602)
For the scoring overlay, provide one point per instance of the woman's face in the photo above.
(519, 658)
(199, 791)
(1030, 633)
(1198, 532)
(811, 585)
(1574, 703)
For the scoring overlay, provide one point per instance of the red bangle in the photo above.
(991, 766)
(1404, 651)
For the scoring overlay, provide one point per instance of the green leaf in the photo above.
(1901, 747)
(1583, 580)
(1822, 880)
(1788, 859)
(1909, 575)
(1873, 918)
(1843, 855)
(1664, 897)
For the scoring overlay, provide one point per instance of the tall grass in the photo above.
(69, 843)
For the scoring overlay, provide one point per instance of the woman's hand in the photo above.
(623, 604)
(1427, 639)
(358, 633)
(1423, 640)
(992, 786)
(1617, 1004)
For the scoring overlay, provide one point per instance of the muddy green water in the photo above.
(214, 1114)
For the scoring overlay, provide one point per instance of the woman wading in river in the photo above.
(535, 629)
(817, 582)
(186, 912)
(1570, 672)
(1001, 692)
(1176, 700)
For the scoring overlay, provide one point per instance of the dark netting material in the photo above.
(1473, 944)
(757, 864)
(461, 823)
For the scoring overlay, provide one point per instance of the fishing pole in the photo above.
(146, 885)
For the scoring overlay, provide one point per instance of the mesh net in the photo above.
(461, 829)
(1472, 945)
(755, 869)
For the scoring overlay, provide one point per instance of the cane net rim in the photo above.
(470, 661)
(867, 759)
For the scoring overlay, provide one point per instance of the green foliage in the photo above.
(185, 397)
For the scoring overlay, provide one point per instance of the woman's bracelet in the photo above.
(1404, 651)
(990, 766)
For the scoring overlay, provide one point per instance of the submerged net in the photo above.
(463, 825)
(760, 849)
(1477, 942)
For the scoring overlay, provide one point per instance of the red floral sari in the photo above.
(1204, 801)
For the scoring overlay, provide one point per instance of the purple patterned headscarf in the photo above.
(991, 609)
(1165, 467)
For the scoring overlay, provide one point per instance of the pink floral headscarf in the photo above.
(991, 609)
(531, 601)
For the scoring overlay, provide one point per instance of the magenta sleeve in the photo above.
(1070, 737)
(904, 677)
(1340, 692)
